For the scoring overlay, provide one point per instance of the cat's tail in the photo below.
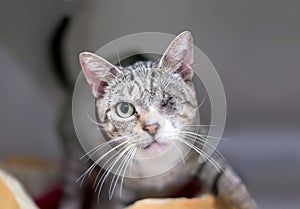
(56, 45)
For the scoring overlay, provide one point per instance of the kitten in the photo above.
(146, 108)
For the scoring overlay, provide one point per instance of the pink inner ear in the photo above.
(179, 55)
(92, 79)
(98, 90)
(97, 72)
(185, 69)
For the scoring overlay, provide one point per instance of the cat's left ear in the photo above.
(179, 56)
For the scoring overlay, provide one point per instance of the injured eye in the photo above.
(167, 101)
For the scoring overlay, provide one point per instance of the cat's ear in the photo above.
(179, 56)
(97, 71)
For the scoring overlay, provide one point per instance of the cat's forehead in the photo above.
(143, 82)
(144, 85)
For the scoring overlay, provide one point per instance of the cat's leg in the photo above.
(225, 184)
(72, 190)
(72, 168)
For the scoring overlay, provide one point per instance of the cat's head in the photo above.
(147, 106)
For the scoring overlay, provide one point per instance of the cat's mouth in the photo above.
(154, 143)
(155, 147)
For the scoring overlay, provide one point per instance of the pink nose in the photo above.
(151, 128)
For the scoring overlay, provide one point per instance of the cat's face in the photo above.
(145, 106)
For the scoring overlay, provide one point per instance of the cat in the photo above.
(144, 109)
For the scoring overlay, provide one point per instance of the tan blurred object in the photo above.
(7, 200)
(12, 194)
(37, 175)
(206, 201)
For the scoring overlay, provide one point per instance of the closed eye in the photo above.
(165, 102)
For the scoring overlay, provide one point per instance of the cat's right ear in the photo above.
(97, 71)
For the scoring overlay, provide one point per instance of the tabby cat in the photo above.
(144, 109)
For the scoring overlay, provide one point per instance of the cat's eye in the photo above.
(125, 109)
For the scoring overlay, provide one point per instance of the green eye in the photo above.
(125, 109)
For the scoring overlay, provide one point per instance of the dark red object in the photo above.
(51, 199)
(189, 190)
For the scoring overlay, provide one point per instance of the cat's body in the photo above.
(147, 108)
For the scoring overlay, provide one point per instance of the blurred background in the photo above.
(254, 45)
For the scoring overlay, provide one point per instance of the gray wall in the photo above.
(254, 45)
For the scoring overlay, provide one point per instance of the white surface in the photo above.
(21, 196)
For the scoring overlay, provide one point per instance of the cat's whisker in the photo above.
(103, 145)
(104, 170)
(109, 169)
(122, 167)
(114, 155)
(203, 154)
(210, 159)
(95, 122)
(129, 162)
(119, 169)
(202, 136)
(112, 149)
(118, 55)
(91, 168)
(195, 137)
(200, 125)
(206, 144)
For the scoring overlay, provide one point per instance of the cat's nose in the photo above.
(151, 128)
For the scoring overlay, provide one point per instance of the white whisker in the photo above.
(91, 168)
(91, 152)
(119, 60)
(129, 162)
(111, 166)
(196, 137)
(95, 122)
(115, 154)
(118, 173)
(104, 145)
(204, 143)
(200, 125)
(203, 154)
(201, 136)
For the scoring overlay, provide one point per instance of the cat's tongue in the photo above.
(155, 148)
